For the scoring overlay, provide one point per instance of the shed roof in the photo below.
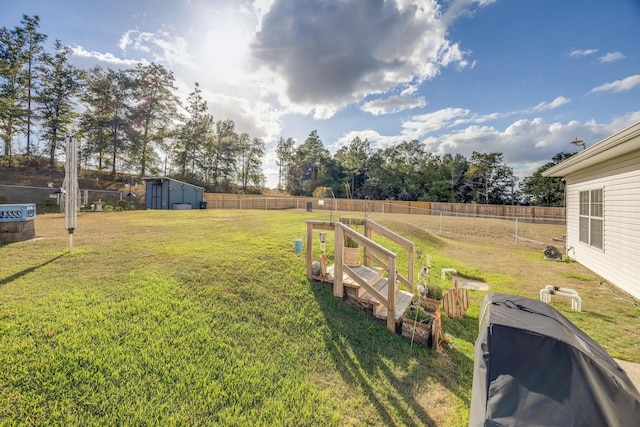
(162, 178)
(621, 143)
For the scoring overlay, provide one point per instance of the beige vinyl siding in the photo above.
(619, 259)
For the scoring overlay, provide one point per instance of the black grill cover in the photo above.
(534, 367)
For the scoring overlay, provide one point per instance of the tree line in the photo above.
(407, 171)
(132, 121)
(125, 119)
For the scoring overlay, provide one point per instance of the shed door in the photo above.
(156, 196)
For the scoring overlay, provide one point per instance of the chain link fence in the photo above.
(50, 200)
(540, 226)
(520, 224)
(539, 232)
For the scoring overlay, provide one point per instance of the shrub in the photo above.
(415, 312)
(433, 292)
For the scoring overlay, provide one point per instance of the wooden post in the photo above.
(410, 267)
(338, 288)
(368, 233)
(391, 297)
(309, 251)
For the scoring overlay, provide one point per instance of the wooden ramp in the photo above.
(374, 277)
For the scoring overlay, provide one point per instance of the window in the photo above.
(591, 218)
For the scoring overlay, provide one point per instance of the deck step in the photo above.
(403, 301)
(374, 276)
(369, 274)
(380, 286)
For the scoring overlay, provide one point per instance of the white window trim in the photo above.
(590, 216)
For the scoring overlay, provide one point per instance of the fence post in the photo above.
(338, 245)
(309, 251)
(391, 295)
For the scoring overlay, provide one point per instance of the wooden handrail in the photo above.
(371, 226)
(385, 232)
(390, 300)
(364, 241)
(377, 261)
(373, 251)
(383, 299)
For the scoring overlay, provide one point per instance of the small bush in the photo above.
(415, 312)
(433, 292)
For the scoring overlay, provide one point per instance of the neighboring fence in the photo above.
(240, 201)
(503, 211)
(524, 213)
(48, 199)
(492, 222)
(519, 224)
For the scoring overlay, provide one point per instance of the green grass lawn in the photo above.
(200, 318)
(206, 317)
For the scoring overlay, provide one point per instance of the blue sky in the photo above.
(520, 77)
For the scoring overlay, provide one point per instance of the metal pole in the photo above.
(71, 187)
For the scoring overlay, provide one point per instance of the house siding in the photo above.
(619, 260)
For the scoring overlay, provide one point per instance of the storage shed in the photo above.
(168, 193)
(603, 208)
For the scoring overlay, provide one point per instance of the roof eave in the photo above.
(623, 142)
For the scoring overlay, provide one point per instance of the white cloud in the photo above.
(523, 143)
(458, 8)
(107, 57)
(543, 106)
(393, 104)
(611, 57)
(423, 124)
(331, 55)
(163, 47)
(619, 85)
(584, 52)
